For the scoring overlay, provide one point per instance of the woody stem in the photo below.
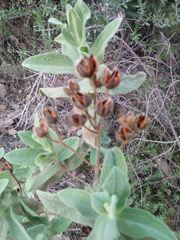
(98, 166)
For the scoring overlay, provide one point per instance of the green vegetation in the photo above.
(145, 46)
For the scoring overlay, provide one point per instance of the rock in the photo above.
(2, 107)
(3, 90)
(12, 131)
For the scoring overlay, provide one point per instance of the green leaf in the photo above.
(54, 63)
(16, 229)
(69, 37)
(71, 52)
(74, 161)
(105, 140)
(37, 230)
(93, 156)
(128, 84)
(33, 216)
(125, 237)
(64, 152)
(117, 184)
(23, 156)
(44, 159)
(7, 175)
(105, 228)
(97, 201)
(84, 14)
(83, 11)
(1, 152)
(45, 175)
(76, 26)
(60, 39)
(53, 92)
(47, 145)
(4, 226)
(26, 137)
(113, 157)
(3, 184)
(79, 200)
(58, 225)
(104, 37)
(55, 205)
(55, 22)
(138, 223)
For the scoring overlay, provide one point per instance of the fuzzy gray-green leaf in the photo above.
(54, 63)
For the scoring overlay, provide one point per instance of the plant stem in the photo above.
(97, 168)
(57, 132)
(78, 179)
(90, 130)
(66, 146)
(122, 145)
(90, 119)
(20, 189)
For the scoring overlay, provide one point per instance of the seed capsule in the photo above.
(50, 116)
(68, 91)
(126, 120)
(110, 81)
(77, 120)
(81, 101)
(141, 122)
(124, 134)
(88, 66)
(74, 86)
(104, 107)
(42, 130)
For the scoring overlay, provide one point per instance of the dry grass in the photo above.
(158, 98)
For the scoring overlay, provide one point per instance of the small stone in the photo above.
(15, 106)
(12, 132)
(168, 191)
(2, 107)
(3, 90)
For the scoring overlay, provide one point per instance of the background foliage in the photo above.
(151, 34)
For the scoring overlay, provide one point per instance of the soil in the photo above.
(22, 101)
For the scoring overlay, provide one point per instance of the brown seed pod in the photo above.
(124, 134)
(141, 122)
(74, 86)
(104, 107)
(50, 116)
(4, 165)
(88, 66)
(42, 130)
(68, 91)
(114, 80)
(110, 81)
(77, 120)
(81, 101)
(126, 120)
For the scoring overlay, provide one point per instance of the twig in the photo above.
(90, 130)
(78, 179)
(20, 189)
(57, 132)
(66, 146)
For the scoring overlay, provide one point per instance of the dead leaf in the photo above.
(163, 165)
(89, 137)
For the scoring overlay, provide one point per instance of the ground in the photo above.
(153, 156)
